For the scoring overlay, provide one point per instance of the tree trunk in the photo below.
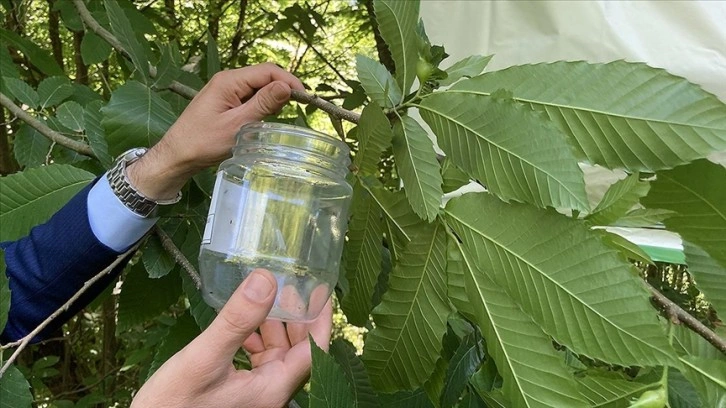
(170, 10)
(54, 33)
(8, 165)
(213, 15)
(237, 38)
(81, 68)
(110, 346)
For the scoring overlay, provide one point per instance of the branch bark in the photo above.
(22, 343)
(179, 257)
(384, 53)
(51, 134)
(54, 33)
(322, 104)
(675, 312)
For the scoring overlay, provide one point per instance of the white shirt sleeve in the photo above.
(111, 221)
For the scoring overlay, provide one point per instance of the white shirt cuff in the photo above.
(111, 221)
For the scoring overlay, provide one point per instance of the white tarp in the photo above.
(687, 38)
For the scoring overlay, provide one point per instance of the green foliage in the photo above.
(502, 298)
(15, 390)
(31, 197)
(614, 113)
(329, 387)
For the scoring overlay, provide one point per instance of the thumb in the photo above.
(266, 101)
(244, 312)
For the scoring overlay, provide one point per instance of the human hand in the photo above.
(202, 375)
(203, 135)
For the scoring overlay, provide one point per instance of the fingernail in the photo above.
(257, 287)
(280, 92)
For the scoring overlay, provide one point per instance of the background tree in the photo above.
(507, 297)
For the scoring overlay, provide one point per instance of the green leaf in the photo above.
(377, 82)
(456, 283)
(686, 342)
(39, 57)
(7, 66)
(362, 254)
(374, 137)
(462, 366)
(54, 90)
(363, 394)
(406, 399)
(516, 153)
(94, 49)
(453, 177)
(418, 168)
(615, 113)
(135, 116)
(135, 304)
(626, 248)
(434, 386)
(22, 92)
(14, 390)
(643, 217)
(32, 196)
(619, 198)
(183, 332)
(397, 22)
(401, 221)
(30, 147)
(212, 56)
(70, 114)
(611, 392)
(708, 378)
(401, 351)
(695, 192)
(4, 293)
(469, 66)
(329, 387)
(125, 33)
(92, 117)
(548, 262)
(167, 70)
(157, 261)
(681, 393)
(534, 374)
(710, 277)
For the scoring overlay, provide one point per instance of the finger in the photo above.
(274, 335)
(245, 310)
(254, 344)
(319, 299)
(298, 359)
(245, 81)
(267, 101)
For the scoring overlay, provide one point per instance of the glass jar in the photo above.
(280, 203)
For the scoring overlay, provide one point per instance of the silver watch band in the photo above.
(126, 192)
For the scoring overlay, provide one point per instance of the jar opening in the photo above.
(257, 134)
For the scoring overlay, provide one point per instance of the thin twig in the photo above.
(41, 127)
(675, 311)
(322, 104)
(23, 342)
(178, 256)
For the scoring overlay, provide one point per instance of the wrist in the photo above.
(157, 178)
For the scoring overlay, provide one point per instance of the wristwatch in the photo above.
(126, 192)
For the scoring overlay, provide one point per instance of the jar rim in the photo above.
(293, 130)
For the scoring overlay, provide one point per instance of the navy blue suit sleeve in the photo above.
(50, 265)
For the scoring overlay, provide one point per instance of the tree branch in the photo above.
(190, 93)
(675, 312)
(23, 342)
(178, 256)
(322, 104)
(51, 134)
